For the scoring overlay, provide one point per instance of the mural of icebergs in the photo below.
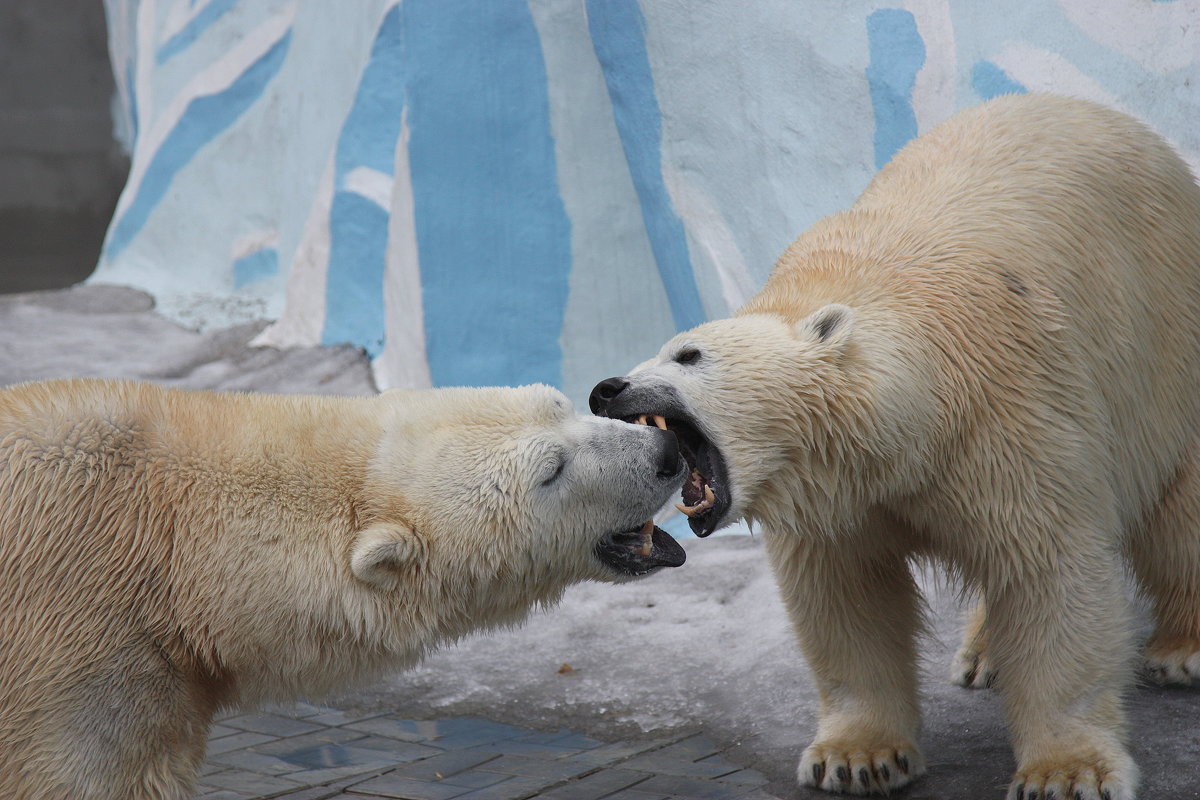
(509, 191)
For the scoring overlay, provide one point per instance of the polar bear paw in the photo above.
(842, 766)
(1174, 661)
(1063, 781)
(972, 669)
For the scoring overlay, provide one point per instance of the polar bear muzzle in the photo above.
(706, 495)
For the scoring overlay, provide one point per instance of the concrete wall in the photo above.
(60, 167)
(505, 191)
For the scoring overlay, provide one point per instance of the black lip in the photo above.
(697, 449)
(619, 551)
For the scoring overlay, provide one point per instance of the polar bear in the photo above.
(167, 553)
(992, 359)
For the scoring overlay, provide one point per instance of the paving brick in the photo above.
(296, 710)
(469, 732)
(326, 775)
(337, 755)
(536, 767)
(247, 759)
(517, 788)
(238, 740)
(223, 794)
(655, 762)
(446, 764)
(272, 724)
(577, 741)
(333, 716)
(597, 785)
(217, 731)
(392, 785)
(405, 730)
(520, 747)
(251, 783)
(634, 794)
(683, 786)
(692, 748)
(314, 793)
(315, 739)
(475, 778)
(745, 777)
(612, 753)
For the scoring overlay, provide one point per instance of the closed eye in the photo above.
(689, 356)
(557, 472)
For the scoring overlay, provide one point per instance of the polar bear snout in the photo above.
(706, 493)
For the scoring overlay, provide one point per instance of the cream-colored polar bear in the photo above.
(992, 358)
(164, 554)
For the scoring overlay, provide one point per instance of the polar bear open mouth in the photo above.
(706, 489)
(641, 551)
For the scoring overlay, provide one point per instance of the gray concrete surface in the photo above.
(704, 649)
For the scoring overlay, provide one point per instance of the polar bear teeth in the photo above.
(647, 534)
(709, 500)
(659, 420)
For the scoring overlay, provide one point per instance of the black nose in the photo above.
(668, 457)
(604, 393)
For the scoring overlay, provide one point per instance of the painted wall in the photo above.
(506, 191)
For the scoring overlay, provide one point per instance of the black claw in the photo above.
(1033, 795)
(864, 775)
(1078, 794)
(818, 773)
(1021, 792)
(970, 676)
(843, 774)
(885, 773)
(902, 763)
(1106, 794)
(1051, 795)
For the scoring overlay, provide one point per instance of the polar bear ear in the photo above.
(381, 552)
(829, 325)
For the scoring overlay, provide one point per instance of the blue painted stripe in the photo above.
(202, 120)
(358, 228)
(256, 266)
(897, 53)
(989, 81)
(493, 236)
(618, 32)
(193, 29)
(354, 310)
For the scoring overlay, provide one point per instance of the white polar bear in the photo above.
(993, 359)
(164, 554)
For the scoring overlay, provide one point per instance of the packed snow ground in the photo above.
(704, 647)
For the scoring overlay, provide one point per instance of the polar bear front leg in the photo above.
(856, 613)
(1059, 637)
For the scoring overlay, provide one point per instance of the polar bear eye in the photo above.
(689, 356)
(555, 471)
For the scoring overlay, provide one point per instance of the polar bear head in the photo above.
(507, 495)
(773, 413)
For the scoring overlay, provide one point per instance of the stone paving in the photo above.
(309, 752)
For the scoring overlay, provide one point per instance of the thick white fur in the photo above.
(165, 553)
(992, 359)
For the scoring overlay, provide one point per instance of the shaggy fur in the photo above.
(164, 554)
(992, 359)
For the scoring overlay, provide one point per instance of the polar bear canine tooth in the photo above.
(647, 534)
(659, 420)
(710, 499)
